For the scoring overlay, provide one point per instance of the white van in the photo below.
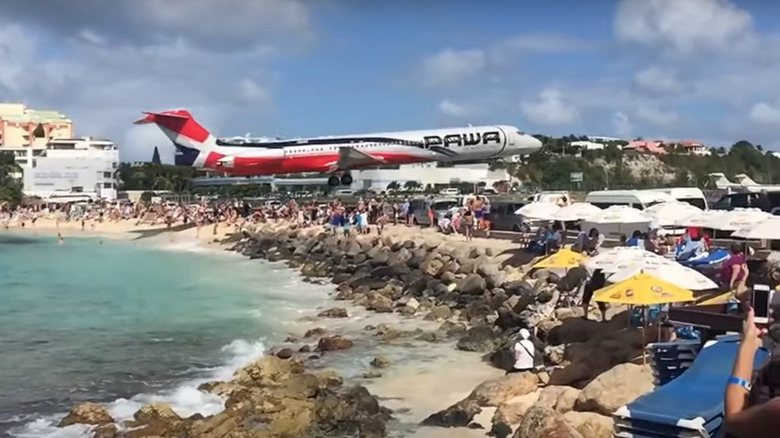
(639, 199)
(450, 191)
(689, 195)
(553, 197)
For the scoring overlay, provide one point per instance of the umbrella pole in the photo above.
(644, 329)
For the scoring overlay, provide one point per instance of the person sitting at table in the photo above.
(553, 239)
(734, 272)
(636, 240)
(595, 242)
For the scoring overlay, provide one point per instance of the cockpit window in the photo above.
(521, 132)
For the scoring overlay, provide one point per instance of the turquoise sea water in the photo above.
(127, 323)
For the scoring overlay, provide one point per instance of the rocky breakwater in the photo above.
(481, 302)
(270, 398)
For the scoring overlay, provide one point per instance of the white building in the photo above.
(587, 145)
(427, 173)
(69, 165)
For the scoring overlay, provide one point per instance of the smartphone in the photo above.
(761, 300)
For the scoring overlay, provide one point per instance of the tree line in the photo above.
(552, 166)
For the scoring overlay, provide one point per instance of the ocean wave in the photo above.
(185, 399)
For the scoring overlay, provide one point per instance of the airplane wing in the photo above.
(350, 158)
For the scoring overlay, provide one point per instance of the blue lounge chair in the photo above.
(690, 405)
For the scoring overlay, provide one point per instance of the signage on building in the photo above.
(56, 175)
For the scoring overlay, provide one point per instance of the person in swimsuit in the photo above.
(468, 225)
(478, 218)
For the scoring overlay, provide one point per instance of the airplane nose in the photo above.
(534, 142)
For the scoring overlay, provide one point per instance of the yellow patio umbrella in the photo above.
(643, 290)
(563, 259)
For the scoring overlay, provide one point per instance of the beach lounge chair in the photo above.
(691, 405)
(687, 255)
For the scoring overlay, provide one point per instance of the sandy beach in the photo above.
(413, 389)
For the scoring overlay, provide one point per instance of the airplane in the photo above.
(334, 155)
(744, 184)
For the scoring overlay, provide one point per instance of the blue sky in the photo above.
(693, 69)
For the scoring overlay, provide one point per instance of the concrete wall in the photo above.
(378, 179)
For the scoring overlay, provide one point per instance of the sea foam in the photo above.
(185, 399)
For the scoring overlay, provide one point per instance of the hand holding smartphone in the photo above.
(761, 300)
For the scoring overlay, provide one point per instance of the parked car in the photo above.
(441, 206)
(503, 217)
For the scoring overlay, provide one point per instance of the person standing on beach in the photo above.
(524, 351)
(468, 224)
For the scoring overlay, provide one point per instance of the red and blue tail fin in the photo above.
(190, 138)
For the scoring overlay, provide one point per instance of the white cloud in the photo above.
(764, 113)
(684, 26)
(107, 74)
(452, 109)
(450, 67)
(550, 108)
(622, 125)
(250, 91)
(543, 44)
(658, 80)
(656, 116)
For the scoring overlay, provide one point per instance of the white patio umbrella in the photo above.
(768, 229)
(736, 219)
(576, 211)
(666, 214)
(609, 259)
(538, 210)
(618, 219)
(699, 219)
(666, 270)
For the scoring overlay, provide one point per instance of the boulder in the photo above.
(269, 370)
(285, 353)
(543, 422)
(335, 312)
(497, 391)
(334, 343)
(615, 388)
(512, 411)
(472, 284)
(591, 424)
(480, 339)
(380, 362)
(458, 415)
(87, 413)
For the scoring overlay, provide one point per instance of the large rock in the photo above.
(334, 343)
(472, 284)
(494, 392)
(543, 422)
(480, 339)
(458, 415)
(87, 413)
(512, 411)
(335, 312)
(590, 424)
(269, 370)
(615, 388)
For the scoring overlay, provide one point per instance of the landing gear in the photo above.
(345, 180)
